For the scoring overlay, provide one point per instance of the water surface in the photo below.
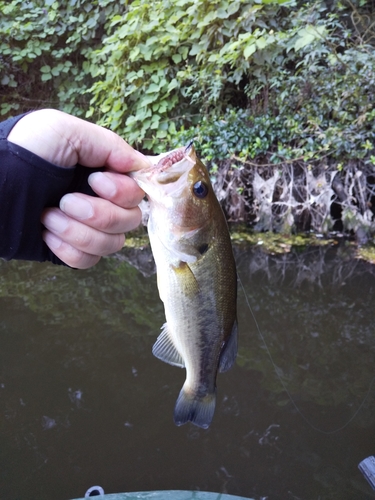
(84, 402)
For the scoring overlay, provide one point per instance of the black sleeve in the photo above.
(28, 184)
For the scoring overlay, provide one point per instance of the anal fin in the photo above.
(165, 350)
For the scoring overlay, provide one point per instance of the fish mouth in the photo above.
(168, 170)
(171, 166)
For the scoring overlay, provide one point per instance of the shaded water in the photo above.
(83, 401)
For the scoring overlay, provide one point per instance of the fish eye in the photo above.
(200, 189)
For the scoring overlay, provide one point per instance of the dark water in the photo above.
(83, 401)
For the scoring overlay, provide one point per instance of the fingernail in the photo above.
(76, 206)
(51, 240)
(55, 221)
(102, 185)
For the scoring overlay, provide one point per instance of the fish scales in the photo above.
(196, 277)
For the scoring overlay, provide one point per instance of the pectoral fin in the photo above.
(229, 351)
(165, 350)
(186, 279)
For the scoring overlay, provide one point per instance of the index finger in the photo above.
(95, 146)
(66, 140)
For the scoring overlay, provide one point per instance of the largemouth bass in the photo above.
(196, 276)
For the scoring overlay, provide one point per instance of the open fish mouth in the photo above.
(173, 157)
(169, 171)
(172, 167)
(170, 162)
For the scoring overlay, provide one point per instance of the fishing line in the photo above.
(286, 389)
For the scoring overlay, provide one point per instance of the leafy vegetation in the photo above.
(148, 72)
(282, 83)
(45, 51)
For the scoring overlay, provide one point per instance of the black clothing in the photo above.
(28, 184)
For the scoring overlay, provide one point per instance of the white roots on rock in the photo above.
(298, 196)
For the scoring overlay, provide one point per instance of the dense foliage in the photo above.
(146, 71)
(45, 49)
(272, 81)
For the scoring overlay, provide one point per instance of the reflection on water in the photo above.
(83, 401)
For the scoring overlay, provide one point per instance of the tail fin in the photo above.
(194, 409)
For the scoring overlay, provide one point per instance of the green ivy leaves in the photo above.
(45, 48)
(188, 52)
(148, 70)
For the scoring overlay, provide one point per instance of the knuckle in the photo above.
(114, 243)
(110, 220)
(85, 238)
(135, 218)
(120, 241)
(76, 258)
(135, 197)
(96, 242)
(83, 261)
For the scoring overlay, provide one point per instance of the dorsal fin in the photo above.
(165, 350)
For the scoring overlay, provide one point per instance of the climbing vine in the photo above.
(273, 91)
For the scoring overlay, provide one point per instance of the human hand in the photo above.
(84, 228)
